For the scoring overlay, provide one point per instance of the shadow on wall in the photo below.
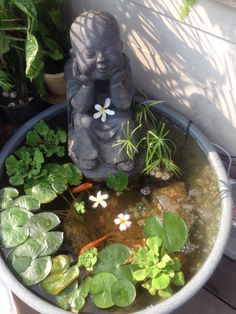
(175, 62)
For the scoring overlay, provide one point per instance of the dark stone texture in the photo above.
(99, 95)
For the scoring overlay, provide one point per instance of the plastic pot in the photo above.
(202, 171)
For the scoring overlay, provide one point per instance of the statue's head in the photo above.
(96, 42)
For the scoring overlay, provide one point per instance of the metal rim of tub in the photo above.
(208, 267)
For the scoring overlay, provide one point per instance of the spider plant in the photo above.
(144, 113)
(158, 150)
(128, 142)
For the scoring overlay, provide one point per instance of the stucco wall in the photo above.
(191, 65)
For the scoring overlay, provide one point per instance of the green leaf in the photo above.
(6, 197)
(4, 46)
(42, 191)
(34, 63)
(153, 227)
(41, 128)
(21, 257)
(37, 271)
(32, 138)
(79, 207)
(6, 83)
(154, 244)
(123, 293)
(26, 6)
(88, 259)
(28, 202)
(42, 222)
(125, 272)
(165, 293)
(60, 263)
(173, 232)
(110, 258)
(11, 231)
(74, 175)
(54, 240)
(178, 279)
(57, 177)
(57, 282)
(117, 182)
(140, 274)
(100, 288)
(176, 232)
(12, 236)
(162, 281)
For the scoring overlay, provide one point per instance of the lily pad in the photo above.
(100, 288)
(28, 202)
(57, 282)
(173, 232)
(12, 231)
(74, 174)
(110, 258)
(123, 293)
(22, 256)
(54, 240)
(6, 197)
(37, 271)
(42, 222)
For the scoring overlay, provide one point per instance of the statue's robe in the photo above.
(90, 138)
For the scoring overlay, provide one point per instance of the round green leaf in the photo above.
(28, 202)
(6, 197)
(13, 236)
(111, 257)
(21, 257)
(15, 217)
(57, 177)
(123, 293)
(176, 232)
(153, 227)
(42, 191)
(74, 175)
(100, 288)
(53, 240)
(37, 271)
(42, 222)
(140, 274)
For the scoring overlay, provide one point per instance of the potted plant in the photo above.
(21, 62)
(111, 274)
(53, 37)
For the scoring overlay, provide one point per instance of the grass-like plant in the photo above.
(158, 150)
(145, 114)
(128, 142)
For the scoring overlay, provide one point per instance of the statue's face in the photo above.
(100, 58)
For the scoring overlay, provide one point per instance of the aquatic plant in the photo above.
(144, 113)
(118, 182)
(27, 162)
(128, 143)
(158, 151)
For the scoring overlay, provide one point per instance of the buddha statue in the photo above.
(99, 95)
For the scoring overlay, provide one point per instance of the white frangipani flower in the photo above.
(99, 199)
(103, 111)
(123, 221)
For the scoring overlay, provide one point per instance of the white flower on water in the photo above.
(103, 111)
(99, 199)
(123, 221)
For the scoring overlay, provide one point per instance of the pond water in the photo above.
(187, 195)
